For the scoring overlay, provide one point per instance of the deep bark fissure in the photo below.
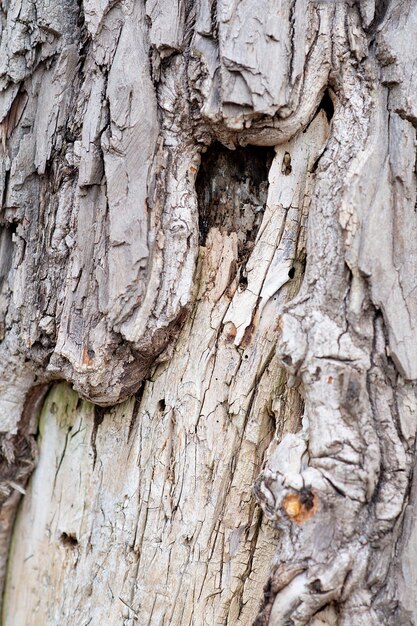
(231, 188)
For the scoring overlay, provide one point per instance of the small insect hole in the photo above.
(69, 540)
(315, 586)
(162, 405)
(291, 273)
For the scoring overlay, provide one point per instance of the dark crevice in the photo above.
(213, 16)
(243, 282)
(6, 250)
(232, 188)
(5, 188)
(315, 165)
(381, 8)
(136, 407)
(316, 587)
(99, 413)
(307, 498)
(84, 35)
(68, 540)
(327, 105)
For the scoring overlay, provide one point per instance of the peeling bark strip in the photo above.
(139, 242)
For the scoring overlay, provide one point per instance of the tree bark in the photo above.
(208, 312)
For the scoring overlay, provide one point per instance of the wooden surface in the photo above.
(275, 345)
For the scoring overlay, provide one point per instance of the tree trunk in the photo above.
(208, 312)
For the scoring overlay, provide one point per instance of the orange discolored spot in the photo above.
(230, 331)
(279, 323)
(88, 356)
(300, 506)
(248, 336)
(330, 380)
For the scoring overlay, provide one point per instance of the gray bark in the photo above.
(208, 219)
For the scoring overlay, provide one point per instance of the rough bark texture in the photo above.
(208, 216)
